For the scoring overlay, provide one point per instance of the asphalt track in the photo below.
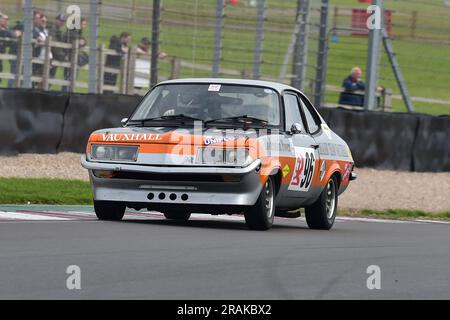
(147, 257)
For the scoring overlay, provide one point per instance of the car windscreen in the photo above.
(210, 102)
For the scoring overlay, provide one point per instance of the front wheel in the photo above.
(109, 210)
(260, 216)
(322, 213)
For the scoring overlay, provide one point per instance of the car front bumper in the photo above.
(154, 186)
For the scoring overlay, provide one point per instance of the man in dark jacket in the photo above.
(353, 82)
(56, 32)
(6, 34)
(121, 46)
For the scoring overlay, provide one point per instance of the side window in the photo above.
(311, 120)
(292, 111)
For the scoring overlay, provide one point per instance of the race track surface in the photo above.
(148, 257)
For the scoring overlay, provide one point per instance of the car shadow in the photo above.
(215, 224)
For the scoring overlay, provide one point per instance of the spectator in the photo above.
(353, 82)
(144, 48)
(5, 32)
(69, 37)
(121, 46)
(13, 49)
(59, 54)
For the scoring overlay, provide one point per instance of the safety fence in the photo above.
(46, 122)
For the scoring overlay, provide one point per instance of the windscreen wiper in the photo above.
(176, 117)
(239, 119)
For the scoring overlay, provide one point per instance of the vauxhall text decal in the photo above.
(304, 169)
(131, 137)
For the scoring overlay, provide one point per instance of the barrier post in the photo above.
(28, 44)
(93, 37)
(373, 62)
(220, 13)
(73, 65)
(321, 55)
(300, 58)
(47, 61)
(123, 73)
(175, 68)
(131, 71)
(100, 71)
(19, 63)
(257, 59)
(155, 42)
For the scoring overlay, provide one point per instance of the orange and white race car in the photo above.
(221, 146)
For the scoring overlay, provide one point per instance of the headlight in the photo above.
(114, 153)
(219, 156)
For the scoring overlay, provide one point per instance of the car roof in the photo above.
(280, 87)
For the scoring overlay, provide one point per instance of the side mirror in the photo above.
(296, 128)
(124, 121)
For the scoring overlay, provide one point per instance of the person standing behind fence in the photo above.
(56, 32)
(121, 46)
(353, 82)
(70, 36)
(6, 34)
(14, 50)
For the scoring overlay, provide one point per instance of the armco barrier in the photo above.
(37, 122)
(88, 112)
(378, 139)
(30, 122)
(432, 144)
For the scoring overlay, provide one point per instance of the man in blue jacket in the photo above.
(353, 87)
(353, 82)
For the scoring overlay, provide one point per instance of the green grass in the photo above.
(398, 214)
(76, 192)
(44, 191)
(424, 64)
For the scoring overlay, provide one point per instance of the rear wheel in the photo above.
(109, 210)
(174, 215)
(322, 213)
(260, 216)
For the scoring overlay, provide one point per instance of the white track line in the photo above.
(145, 215)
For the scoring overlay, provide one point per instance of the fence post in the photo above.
(257, 59)
(47, 61)
(131, 71)
(19, 62)
(155, 42)
(373, 62)
(220, 13)
(93, 37)
(73, 65)
(321, 56)
(300, 58)
(28, 44)
(175, 68)
(413, 24)
(100, 68)
(123, 73)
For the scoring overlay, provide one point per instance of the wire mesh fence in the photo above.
(240, 41)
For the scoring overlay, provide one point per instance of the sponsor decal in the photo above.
(322, 170)
(213, 140)
(347, 171)
(304, 169)
(214, 87)
(118, 137)
(286, 170)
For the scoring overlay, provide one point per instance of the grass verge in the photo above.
(77, 192)
(44, 191)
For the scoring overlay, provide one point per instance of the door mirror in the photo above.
(124, 121)
(296, 128)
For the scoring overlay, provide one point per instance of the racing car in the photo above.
(221, 146)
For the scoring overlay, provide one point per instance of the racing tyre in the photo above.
(260, 216)
(321, 214)
(109, 210)
(183, 216)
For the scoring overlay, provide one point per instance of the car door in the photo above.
(304, 155)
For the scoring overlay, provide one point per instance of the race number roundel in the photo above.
(304, 169)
